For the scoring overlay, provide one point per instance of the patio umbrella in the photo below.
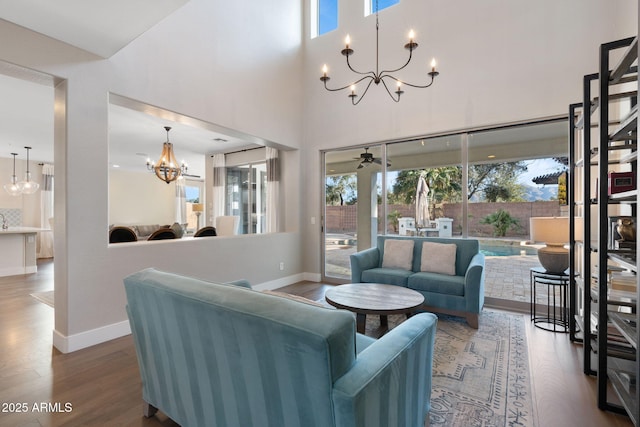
(422, 204)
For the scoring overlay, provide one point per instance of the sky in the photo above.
(538, 167)
(328, 13)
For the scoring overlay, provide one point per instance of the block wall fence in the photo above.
(343, 219)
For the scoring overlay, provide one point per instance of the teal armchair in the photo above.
(226, 355)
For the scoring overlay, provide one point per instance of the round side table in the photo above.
(555, 316)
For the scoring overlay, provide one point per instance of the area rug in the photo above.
(45, 297)
(480, 377)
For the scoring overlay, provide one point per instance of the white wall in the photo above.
(500, 61)
(220, 62)
(140, 198)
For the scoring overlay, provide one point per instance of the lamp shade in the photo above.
(549, 229)
(197, 207)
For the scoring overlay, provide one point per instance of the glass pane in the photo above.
(238, 195)
(327, 16)
(382, 4)
(247, 196)
(352, 197)
(424, 187)
(514, 175)
(192, 194)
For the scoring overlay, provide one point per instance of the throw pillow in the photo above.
(177, 228)
(438, 258)
(398, 254)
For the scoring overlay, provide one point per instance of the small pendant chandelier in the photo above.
(28, 186)
(12, 187)
(378, 76)
(166, 168)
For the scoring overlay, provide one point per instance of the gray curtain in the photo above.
(273, 189)
(219, 179)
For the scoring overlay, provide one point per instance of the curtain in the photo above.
(181, 201)
(45, 243)
(273, 186)
(219, 178)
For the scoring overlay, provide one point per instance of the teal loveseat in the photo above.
(229, 356)
(459, 291)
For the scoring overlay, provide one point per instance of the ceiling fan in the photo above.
(367, 158)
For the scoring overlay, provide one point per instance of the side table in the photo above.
(555, 316)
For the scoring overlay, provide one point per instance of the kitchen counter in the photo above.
(18, 250)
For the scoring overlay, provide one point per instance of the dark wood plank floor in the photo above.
(100, 385)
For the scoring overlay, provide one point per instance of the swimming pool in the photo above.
(500, 250)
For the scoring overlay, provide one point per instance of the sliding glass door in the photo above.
(247, 196)
(484, 184)
(352, 192)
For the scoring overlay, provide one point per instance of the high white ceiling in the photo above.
(136, 131)
(99, 27)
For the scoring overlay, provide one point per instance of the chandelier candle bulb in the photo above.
(433, 65)
(347, 41)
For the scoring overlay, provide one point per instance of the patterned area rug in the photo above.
(480, 377)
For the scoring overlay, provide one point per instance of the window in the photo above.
(247, 196)
(324, 16)
(193, 190)
(382, 4)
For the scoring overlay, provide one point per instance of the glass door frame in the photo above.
(383, 145)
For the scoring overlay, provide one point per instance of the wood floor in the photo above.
(100, 386)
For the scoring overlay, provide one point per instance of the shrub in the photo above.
(501, 221)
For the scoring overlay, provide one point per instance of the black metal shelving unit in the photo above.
(605, 319)
(617, 355)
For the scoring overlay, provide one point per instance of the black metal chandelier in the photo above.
(378, 76)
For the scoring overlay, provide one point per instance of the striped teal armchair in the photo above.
(224, 355)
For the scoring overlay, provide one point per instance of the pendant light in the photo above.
(28, 186)
(166, 168)
(12, 187)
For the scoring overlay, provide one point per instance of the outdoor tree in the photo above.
(444, 185)
(341, 190)
(491, 182)
(496, 181)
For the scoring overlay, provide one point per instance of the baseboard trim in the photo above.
(278, 283)
(16, 271)
(71, 343)
(312, 277)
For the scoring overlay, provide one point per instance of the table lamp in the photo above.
(554, 232)
(197, 209)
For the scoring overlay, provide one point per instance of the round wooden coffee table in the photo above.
(374, 298)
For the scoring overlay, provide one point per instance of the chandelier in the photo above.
(378, 76)
(166, 168)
